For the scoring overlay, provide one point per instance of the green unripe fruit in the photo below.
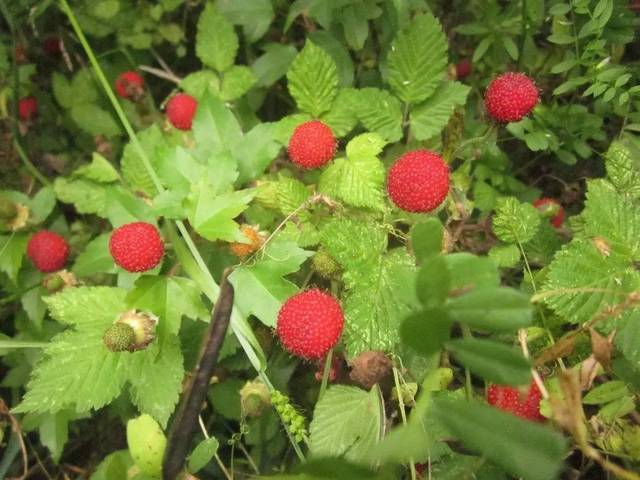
(324, 264)
(119, 337)
(146, 444)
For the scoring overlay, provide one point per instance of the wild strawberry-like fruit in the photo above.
(52, 45)
(130, 85)
(243, 250)
(181, 109)
(324, 264)
(312, 145)
(334, 369)
(463, 69)
(132, 331)
(136, 247)
(310, 324)
(418, 181)
(48, 251)
(552, 209)
(510, 97)
(27, 108)
(524, 404)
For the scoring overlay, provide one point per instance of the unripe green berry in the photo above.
(119, 337)
(324, 264)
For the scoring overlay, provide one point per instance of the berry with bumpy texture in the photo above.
(181, 109)
(130, 85)
(243, 250)
(27, 108)
(510, 97)
(119, 337)
(136, 247)
(324, 264)
(418, 181)
(523, 404)
(310, 324)
(463, 69)
(48, 251)
(312, 145)
(551, 208)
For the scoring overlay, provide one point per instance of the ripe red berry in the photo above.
(310, 324)
(463, 69)
(52, 45)
(181, 109)
(418, 181)
(510, 97)
(27, 108)
(312, 144)
(136, 247)
(130, 85)
(552, 209)
(523, 404)
(48, 251)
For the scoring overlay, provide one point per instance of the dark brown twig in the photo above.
(186, 418)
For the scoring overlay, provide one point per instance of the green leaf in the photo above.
(202, 454)
(505, 256)
(99, 170)
(95, 258)
(62, 91)
(146, 443)
(42, 204)
(426, 238)
(469, 272)
(212, 215)
(54, 432)
(493, 361)
(86, 196)
(417, 59)
(427, 331)
(430, 117)
(606, 393)
(122, 207)
(113, 466)
(380, 112)
(216, 41)
(215, 128)
(524, 449)
(94, 120)
(169, 298)
(12, 250)
(132, 166)
(197, 84)
(434, 282)
(313, 80)
(256, 151)
(342, 117)
(261, 286)
(236, 82)
(338, 51)
(273, 64)
(493, 309)
(347, 422)
(623, 165)
(254, 16)
(628, 339)
(515, 222)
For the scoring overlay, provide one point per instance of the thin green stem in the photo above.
(31, 168)
(468, 387)
(403, 413)
(12, 344)
(523, 39)
(325, 374)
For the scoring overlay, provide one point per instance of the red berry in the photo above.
(136, 247)
(310, 324)
(463, 69)
(52, 45)
(129, 85)
(334, 369)
(523, 404)
(418, 181)
(181, 109)
(551, 208)
(312, 144)
(27, 108)
(510, 97)
(48, 251)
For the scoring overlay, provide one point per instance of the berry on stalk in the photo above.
(551, 208)
(130, 85)
(136, 247)
(418, 181)
(27, 108)
(312, 145)
(48, 251)
(181, 109)
(310, 324)
(525, 404)
(510, 97)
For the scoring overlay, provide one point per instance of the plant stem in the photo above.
(325, 374)
(468, 387)
(523, 38)
(403, 414)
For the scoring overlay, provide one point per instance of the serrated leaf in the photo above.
(365, 145)
(628, 339)
(342, 117)
(347, 422)
(99, 170)
(515, 222)
(623, 165)
(216, 41)
(94, 120)
(255, 16)
(430, 117)
(417, 59)
(505, 256)
(122, 207)
(380, 112)
(358, 181)
(85, 195)
(12, 251)
(313, 80)
(236, 82)
(523, 448)
(261, 286)
(132, 165)
(95, 258)
(273, 64)
(198, 83)
(582, 280)
(256, 151)
(215, 129)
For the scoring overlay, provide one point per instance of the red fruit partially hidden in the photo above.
(27, 108)
(130, 85)
(52, 45)
(181, 109)
(310, 324)
(510, 97)
(418, 181)
(48, 251)
(463, 69)
(136, 247)
(551, 208)
(334, 369)
(312, 144)
(524, 404)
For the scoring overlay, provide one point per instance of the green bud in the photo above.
(119, 337)
(324, 264)
(254, 397)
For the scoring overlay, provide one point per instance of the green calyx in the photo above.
(324, 264)
(119, 337)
